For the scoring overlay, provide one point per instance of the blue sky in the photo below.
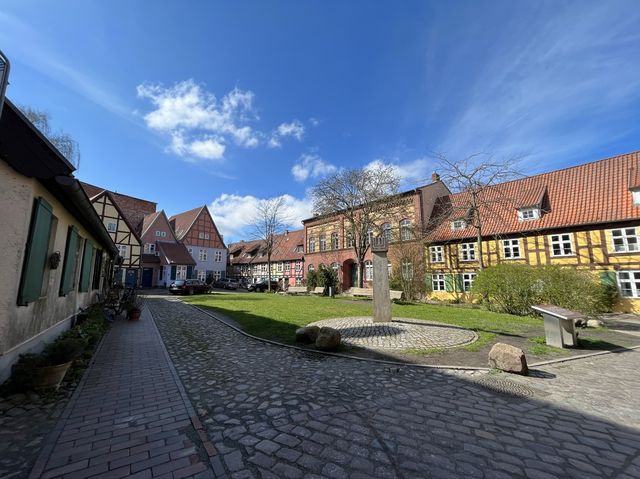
(225, 103)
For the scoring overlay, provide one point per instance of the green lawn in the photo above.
(276, 317)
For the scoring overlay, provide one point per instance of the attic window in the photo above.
(458, 225)
(636, 197)
(528, 214)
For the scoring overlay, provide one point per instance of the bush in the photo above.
(514, 288)
(327, 278)
(312, 280)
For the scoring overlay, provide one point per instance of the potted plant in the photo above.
(134, 307)
(49, 368)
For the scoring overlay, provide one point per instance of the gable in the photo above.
(159, 224)
(203, 232)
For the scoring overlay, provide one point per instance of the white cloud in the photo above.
(294, 129)
(412, 173)
(233, 213)
(311, 166)
(190, 115)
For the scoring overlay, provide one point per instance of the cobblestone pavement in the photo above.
(128, 417)
(279, 412)
(401, 333)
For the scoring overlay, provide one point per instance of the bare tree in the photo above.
(475, 175)
(407, 256)
(66, 145)
(268, 224)
(364, 197)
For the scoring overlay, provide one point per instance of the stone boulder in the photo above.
(307, 335)
(328, 339)
(594, 323)
(508, 358)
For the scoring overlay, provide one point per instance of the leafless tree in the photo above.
(407, 256)
(475, 175)
(268, 225)
(364, 197)
(66, 145)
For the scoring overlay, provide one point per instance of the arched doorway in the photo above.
(349, 274)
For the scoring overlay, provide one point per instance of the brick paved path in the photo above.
(277, 412)
(128, 417)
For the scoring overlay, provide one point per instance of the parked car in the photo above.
(244, 283)
(262, 286)
(225, 283)
(189, 286)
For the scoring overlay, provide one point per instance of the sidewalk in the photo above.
(129, 416)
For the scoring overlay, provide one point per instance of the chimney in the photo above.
(435, 177)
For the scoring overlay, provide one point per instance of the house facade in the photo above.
(57, 255)
(329, 242)
(164, 258)
(587, 217)
(129, 266)
(198, 232)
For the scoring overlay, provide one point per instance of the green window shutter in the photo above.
(87, 259)
(97, 269)
(36, 252)
(69, 267)
(173, 272)
(449, 283)
(459, 285)
(608, 278)
(189, 271)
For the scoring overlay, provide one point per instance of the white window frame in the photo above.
(468, 252)
(287, 266)
(348, 241)
(298, 265)
(150, 248)
(202, 255)
(406, 266)
(312, 244)
(405, 230)
(322, 242)
(123, 250)
(335, 241)
(438, 282)
(217, 256)
(625, 245)
(436, 253)
(181, 272)
(467, 281)
(217, 275)
(386, 232)
(509, 245)
(158, 233)
(112, 227)
(368, 270)
(528, 214)
(636, 197)
(202, 275)
(458, 225)
(630, 283)
(279, 267)
(311, 267)
(561, 241)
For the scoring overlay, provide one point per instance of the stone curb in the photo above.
(52, 438)
(339, 355)
(584, 356)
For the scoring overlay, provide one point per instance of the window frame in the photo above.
(438, 282)
(510, 246)
(335, 241)
(467, 281)
(458, 225)
(405, 229)
(468, 250)
(523, 214)
(561, 243)
(368, 270)
(624, 237)
(634, 283)
(433, 253)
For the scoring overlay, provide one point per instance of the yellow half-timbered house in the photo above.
(587, 216)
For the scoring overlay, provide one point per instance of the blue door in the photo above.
(131, 279)
(147, 277)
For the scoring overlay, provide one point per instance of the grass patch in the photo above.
(542, 349)
(276, 317)
(484, 338)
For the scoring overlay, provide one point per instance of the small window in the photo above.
(217, 256)
(312, 245)
(468, 252)
(437, 255)
(467, 281)
(334, 241)
(163, 233)
(287, 266)
(511, 248)
(158, 233)
(369, 235)
(150, 248)
(624, 240)
(279, 267)
(407, 269)
(458, 225)
(368, 271)
(202, 255)
(181, 272)
(528, 214)
(201, 235)
(334, 267)
(206, 236)
(111, 227)
(323, 243)
(629, 284)
(561, 245)
(405, 230)
(123, 250)
(385, 229)
(311, 268)
(298, 265)
(349, 241)
(636, 197)
(438, 282)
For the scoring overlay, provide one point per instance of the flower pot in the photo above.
(50, 376)
(134, 314)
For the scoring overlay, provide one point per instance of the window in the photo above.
(389, 269)
(202, 255)
(386, 231)
(369, 235)
(202, 275)
(467, 281)
(203, 235)
(511, 248)
(528, 214)
(149, 248)
(624, 240)
(181, 272)
(217, 256)
(111, 226)
(287, 266)
(298, 265)
(561, 245)
(437, 282)
(70, 264)
(312, 245)
(279, 267)
(334, 267)
(629, 283)
(407, 269)
(206, 236)
(405, 230)
(311, 268)
(334, 241)
(323, 243)
(217, 275)
(636, 197)
(468, 252)
(437, 256)
(158, 233)
(123, 250)
(97, 270)
(349, 241)
(41, 234)
(299, 249)
(458, 225)
(368, 271)
(85, 271)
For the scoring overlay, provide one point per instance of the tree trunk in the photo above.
(268, 272)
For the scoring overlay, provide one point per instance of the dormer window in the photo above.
(636, 197)
(458, 225)
(528, 214)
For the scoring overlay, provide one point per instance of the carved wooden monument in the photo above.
(381, 298)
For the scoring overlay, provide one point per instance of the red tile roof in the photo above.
(183, 221)
(175, 253)
(285, 249)
(587, 194)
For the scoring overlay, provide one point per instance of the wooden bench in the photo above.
(395, 294)
(297, 290)
(368, 292)
(318, 290)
